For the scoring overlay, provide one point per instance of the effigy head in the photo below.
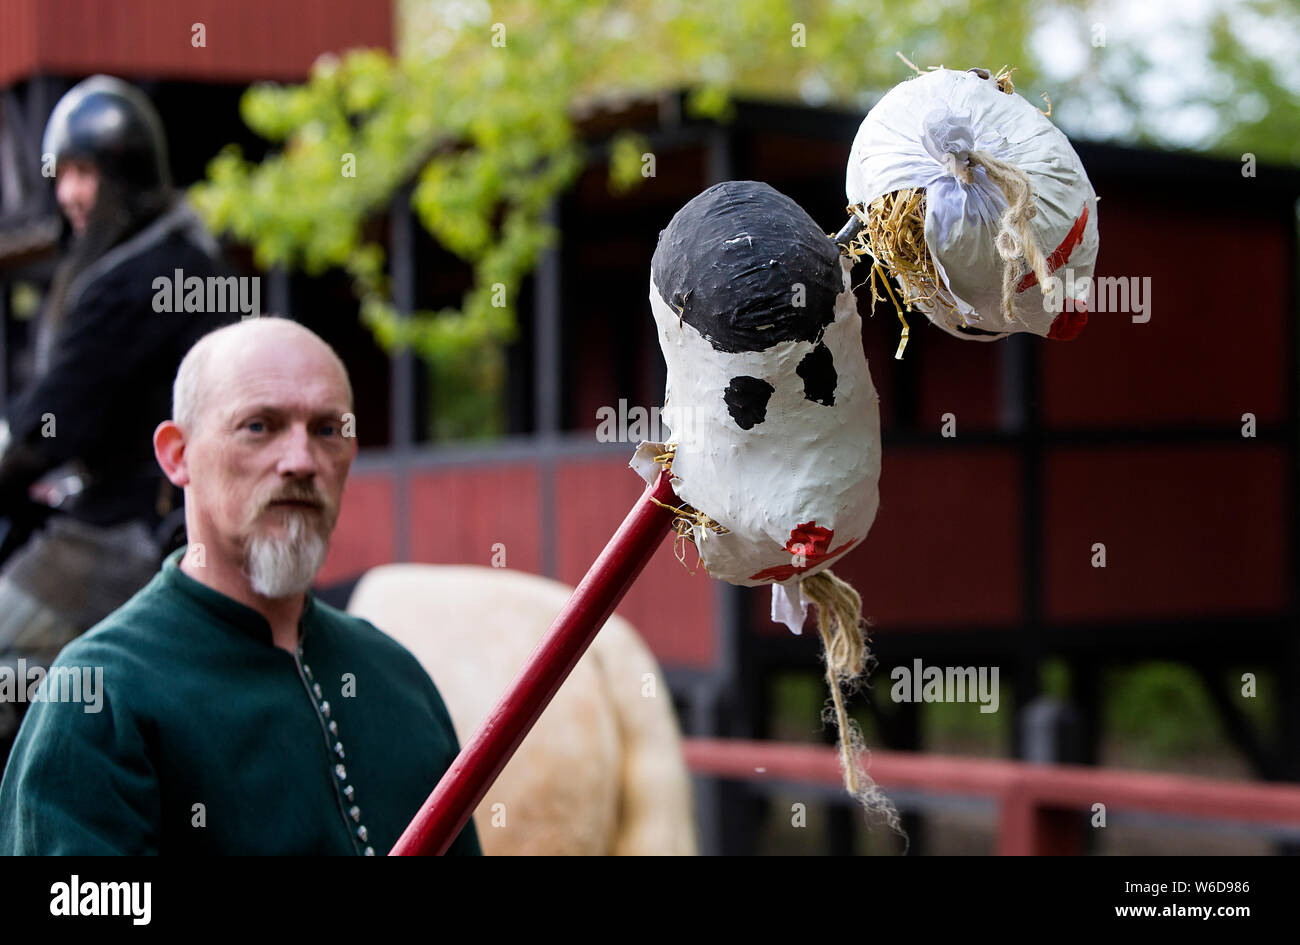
(774, 420)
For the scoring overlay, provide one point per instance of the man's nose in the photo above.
(297, 459)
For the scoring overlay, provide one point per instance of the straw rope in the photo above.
(1015, 237)
(844, 645)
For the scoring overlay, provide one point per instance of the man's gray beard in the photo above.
(279, 566)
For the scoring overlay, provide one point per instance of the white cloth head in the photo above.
(922, 134)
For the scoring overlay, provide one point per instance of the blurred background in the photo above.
(463, 198)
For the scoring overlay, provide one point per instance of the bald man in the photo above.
(224, 709)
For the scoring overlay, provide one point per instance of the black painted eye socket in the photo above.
(818, 372)
(746, 399)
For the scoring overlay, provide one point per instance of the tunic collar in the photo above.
(226, 610)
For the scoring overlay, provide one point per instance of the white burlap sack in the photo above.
(929, 132)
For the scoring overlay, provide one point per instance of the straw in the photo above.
(844, 648)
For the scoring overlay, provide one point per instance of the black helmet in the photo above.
(114, 125)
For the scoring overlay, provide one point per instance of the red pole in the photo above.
(481, 759)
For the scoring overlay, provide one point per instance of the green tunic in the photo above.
(327, 751)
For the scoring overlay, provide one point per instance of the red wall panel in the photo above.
(246, 40)
(672, 610)
(1216, 344)
(945, 547)
(1188, 531)
(879, 341)
(363, 537)
(17, 39)
(458, 515)
(963, 378)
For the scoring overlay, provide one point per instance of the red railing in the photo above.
(1040, 805)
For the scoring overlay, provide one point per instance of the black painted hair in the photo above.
(732, 261)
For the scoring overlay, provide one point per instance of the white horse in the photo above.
(602, 771)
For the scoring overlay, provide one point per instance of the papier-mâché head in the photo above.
(769, 400)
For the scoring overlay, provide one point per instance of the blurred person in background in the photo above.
(103, 366)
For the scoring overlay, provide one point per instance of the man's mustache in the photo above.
(301, 492)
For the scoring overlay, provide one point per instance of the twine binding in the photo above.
(844, 646)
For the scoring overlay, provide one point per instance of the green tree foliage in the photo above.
(1257, 95)
(1219, 76)
(477, 112)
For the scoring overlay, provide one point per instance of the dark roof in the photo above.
(1143, 166)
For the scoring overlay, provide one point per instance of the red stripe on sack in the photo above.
(1062, 252)
(1070, 322)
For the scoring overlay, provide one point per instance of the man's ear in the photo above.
(169, 449)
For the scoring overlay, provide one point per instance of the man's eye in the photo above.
(255, 426)
(327, 429)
